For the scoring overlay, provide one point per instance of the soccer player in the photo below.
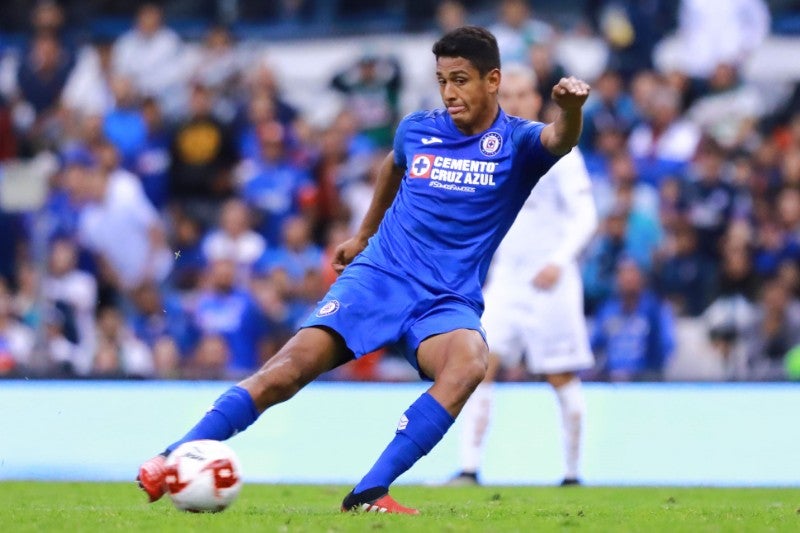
(412, 276)
(534, 296)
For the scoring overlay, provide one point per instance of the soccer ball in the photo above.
(203, 476)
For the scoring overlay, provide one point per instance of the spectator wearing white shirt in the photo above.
(234, 239)
(517, 30)
(121, 226)
(714, 33)
(152, 55)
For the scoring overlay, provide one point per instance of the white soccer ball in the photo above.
(203, 476)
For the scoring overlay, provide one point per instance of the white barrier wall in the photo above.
(332, 432)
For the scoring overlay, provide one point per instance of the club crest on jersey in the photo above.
(421, 166)
(490, 143)
(329, 308)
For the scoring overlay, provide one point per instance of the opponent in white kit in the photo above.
(534, 295)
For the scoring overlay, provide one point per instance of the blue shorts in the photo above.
(371, 308)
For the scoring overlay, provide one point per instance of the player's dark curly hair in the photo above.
(473, 43)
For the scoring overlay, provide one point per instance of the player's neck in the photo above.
(482, 124)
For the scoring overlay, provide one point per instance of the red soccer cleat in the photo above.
(151, 477)
(382, 504)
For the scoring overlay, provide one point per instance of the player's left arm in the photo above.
(562, 134)
(389, 178)
(580, 220)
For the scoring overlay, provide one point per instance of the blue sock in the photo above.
(233, 412)
(421, 427)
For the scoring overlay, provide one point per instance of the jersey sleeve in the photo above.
(399, 143)
(528, 139)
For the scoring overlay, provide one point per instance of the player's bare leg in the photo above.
(310, 353)
(569, 392)
(457, 363)
(475, 419)
(305, 356)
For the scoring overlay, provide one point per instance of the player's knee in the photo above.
(467, 371)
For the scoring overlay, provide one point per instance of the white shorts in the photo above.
(547, 327)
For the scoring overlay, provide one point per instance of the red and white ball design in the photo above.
(203, 476)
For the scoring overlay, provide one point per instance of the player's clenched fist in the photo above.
(570, 93)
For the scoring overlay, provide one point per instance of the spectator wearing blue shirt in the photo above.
(229, 312)
(296, 266)
(159, 320)
(124, 125)
(152, 161)
(610, 108)
(279, 188)
(633, 334)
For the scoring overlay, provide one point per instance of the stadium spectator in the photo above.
(115, 205)
(296, 265)
(40, 81)
(158, 319)
(729, 108)
(203, 154)
(450, 14)
(610, 107)
(233, 239)
(712, 34)
(686, 275)
(224, 309)
(152, 55)
(371, 89)
(633, 334)
(516, 30)
(665, 142)
(124, 125)
(72, 296)
(88, 88)
(279, 187)
(219, 67)
(709, 199)
(186, 239)
(119, 353)
(775, 331)
(153, 160)
(541, 57)
(632, 29)
(16, 340)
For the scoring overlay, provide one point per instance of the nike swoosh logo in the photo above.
(431, 140)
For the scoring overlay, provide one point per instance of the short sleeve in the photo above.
(528, 139)
(399, 143)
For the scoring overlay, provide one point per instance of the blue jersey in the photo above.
(421, 274)
(458, 198)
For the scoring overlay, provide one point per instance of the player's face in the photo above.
(470, 99)
(518, 97)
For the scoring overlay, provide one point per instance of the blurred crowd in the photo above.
(185, 221)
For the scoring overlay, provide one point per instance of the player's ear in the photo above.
(493, 80)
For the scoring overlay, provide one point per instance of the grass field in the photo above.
(30, 506)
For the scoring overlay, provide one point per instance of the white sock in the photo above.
(573, 408)
(474, 422)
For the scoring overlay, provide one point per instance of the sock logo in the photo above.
(403, 423)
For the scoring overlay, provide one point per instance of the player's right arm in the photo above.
(389, 178)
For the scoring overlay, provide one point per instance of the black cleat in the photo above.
(464, 479)
(571, 482)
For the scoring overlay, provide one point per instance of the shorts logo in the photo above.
(403, 423)
(329, 308)
(421, 166)
(491, 143)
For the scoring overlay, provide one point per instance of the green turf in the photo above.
(28, 506)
